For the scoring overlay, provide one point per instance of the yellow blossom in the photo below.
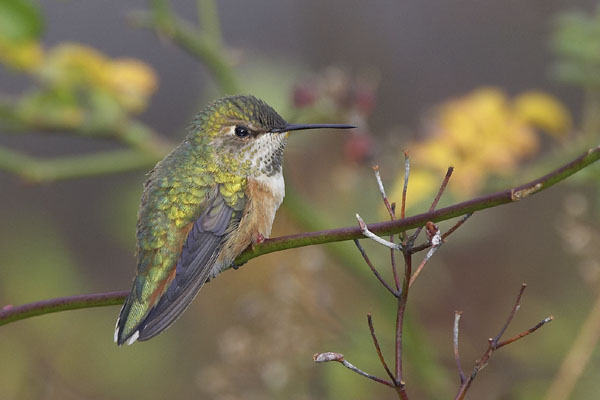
(543, 111)
(72, 64)
(21, 55)
(128, 82)
(481, 134)
(132, 81)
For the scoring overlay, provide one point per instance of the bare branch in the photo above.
(14, 313)
(372, 267)
(365, 231)
(376, 343)
(434, 203)
(382, 191)
(493, 345)
(330, 356)
(461, 374)
(405, 187)
(511, 315)
(525, 332)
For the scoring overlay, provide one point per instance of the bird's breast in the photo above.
(263, 197)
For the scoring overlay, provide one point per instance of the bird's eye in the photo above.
(241, 131)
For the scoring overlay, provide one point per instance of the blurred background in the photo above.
(92, 94)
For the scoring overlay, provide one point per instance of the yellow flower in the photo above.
(127, 81)
(543, 111)
(21, 55)
(132, 82)
(72, 64)
(481, 134)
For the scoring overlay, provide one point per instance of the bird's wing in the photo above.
(198, 257)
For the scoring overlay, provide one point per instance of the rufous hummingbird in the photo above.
(208, 200)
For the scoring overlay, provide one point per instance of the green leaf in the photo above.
(20, 20)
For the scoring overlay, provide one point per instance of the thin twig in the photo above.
(393, 254)
(450, 231)
(436, 242)
(375, 238)
(331, 356)
(405, 187)
(379, 353)
(382, 191)
(525, 332)
(402, 300)
(392, 212)
(511, 315)
(434, 203)
(442, 188)
(493, 345)
(461, 374)
(373, 269)
(14, 313)
(456, 226)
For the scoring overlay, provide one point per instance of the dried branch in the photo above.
(392, 212)
(382, 191)
(331, 356)
(494, 344)
(366, 232)
(461, 374)
(372, 267)
(379, 354)
(405, 187)
(450, 231)
(434, 203)
(435, 242)
(10, 313)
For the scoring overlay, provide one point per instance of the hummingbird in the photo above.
(208, 200)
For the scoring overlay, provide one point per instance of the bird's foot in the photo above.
(260, 238)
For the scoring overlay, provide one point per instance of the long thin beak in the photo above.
(299, 127)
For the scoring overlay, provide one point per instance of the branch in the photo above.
(331, 356)
(493, 345)
(382, 228)
(10, 314)
(442, 214)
